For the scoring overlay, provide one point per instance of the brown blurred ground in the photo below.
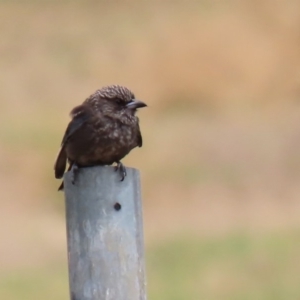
(222, 131)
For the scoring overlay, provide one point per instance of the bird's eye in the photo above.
(119, 101)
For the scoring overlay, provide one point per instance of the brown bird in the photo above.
(103, 129)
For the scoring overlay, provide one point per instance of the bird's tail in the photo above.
(61, 187)
(60, 163)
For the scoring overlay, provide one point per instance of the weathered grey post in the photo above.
(105, 235)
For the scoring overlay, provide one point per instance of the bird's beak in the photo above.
(134, 104)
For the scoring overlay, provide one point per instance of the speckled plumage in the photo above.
(103, 129)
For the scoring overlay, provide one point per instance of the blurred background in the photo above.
(220, 163)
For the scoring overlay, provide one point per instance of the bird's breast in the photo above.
(98, 143)
(113, 142)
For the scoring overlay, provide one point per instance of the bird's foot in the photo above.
(74, 172)
(120, 167)
(73, 168)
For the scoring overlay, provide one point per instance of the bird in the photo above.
(102, 131)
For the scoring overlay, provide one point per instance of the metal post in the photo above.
(105, 235)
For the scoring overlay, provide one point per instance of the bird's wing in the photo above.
(80, 115)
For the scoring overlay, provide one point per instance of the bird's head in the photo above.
(117, 102)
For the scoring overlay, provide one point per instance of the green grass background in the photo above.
(240, 266)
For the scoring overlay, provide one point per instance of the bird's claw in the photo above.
(120, 167)
(74, 172)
